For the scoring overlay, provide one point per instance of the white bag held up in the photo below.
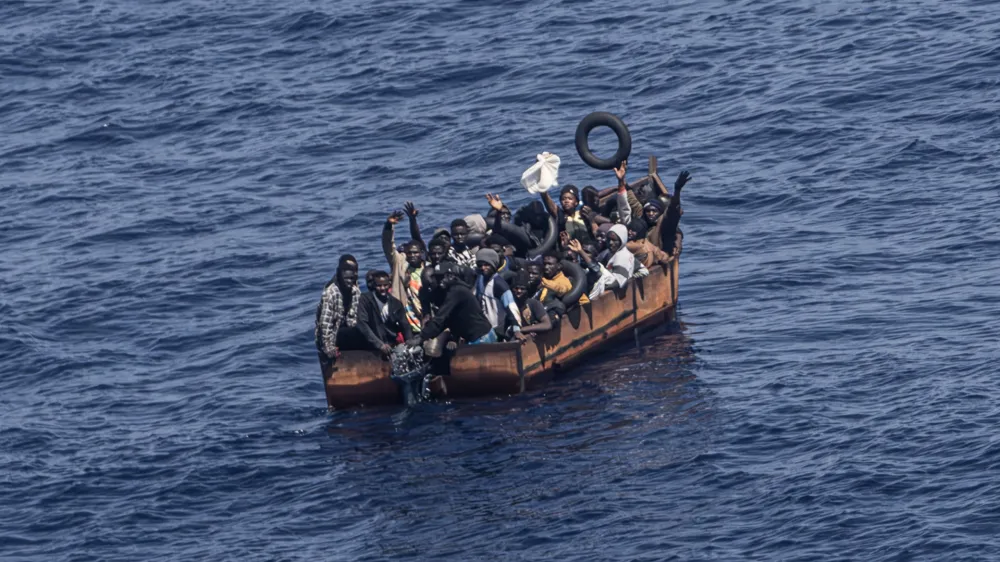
(542, 175)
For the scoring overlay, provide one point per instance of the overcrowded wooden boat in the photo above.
(362, 378)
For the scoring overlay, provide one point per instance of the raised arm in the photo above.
(388, 236)
(550, 204)
(668, 232)
(412, 211)
(624, 210)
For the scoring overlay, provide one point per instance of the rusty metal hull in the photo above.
(361, 378)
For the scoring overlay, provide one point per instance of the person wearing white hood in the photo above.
(620, 266)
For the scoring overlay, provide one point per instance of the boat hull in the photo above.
(361, 378)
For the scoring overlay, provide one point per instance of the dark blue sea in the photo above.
(177, 180)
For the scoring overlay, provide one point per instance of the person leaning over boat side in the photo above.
(337, 313)
(533, 314)
(494, 294)
(554, 282)
(406, 267)
(459, 312)
(381, 316)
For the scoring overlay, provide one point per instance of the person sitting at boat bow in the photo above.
(337, 313)
(406, 267)
(460, 311)
(382, 317)
(494, 293)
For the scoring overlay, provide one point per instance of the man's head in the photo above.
(602, 235)
(446, 274)
(487, 261)
(569, 198)
(414, 253)
(534, 215)
(637, 229)
(550, 265)
(520, 285)
(534, 270)
(347, 271)
(498, 244)
(437, 250)
(459, 233)
(617, 237)
(652, 211)
(380, 284)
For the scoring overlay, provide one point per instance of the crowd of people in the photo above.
(501, 277)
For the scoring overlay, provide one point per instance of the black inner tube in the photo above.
(597, 119)
(549, 242)
(579, 279)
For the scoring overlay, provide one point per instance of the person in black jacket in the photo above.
(381, 316)
(460, 312)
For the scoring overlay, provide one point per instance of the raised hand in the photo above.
(620, 171)
(682, 179)
(587, 213)
(495, 201)
(563, 238)
(575, 246)
(411, 210)
(395, 217)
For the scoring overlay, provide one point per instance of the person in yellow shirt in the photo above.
(555, 284)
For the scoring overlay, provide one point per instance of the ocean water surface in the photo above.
(177, 180)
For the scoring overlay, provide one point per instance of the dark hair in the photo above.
(347, 261)
(413, 244)
(441, 233)
(570, 188)
(552, 254)
(639, 226)
(439, 241)
(533, 264)
(459, 222)
(377, 274)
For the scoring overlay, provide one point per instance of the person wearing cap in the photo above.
(568, 215)
(460, 311)
(494, 294)
(536, 319)
(337, 313)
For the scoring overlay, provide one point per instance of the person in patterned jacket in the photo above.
(337, 313)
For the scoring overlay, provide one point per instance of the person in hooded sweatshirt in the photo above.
(620, 264)
(337, 313)
(494, 294)
(381, 316)
(460, 311)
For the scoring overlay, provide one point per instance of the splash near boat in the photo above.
(502, 303)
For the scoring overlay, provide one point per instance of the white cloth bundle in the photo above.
(543, 174)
